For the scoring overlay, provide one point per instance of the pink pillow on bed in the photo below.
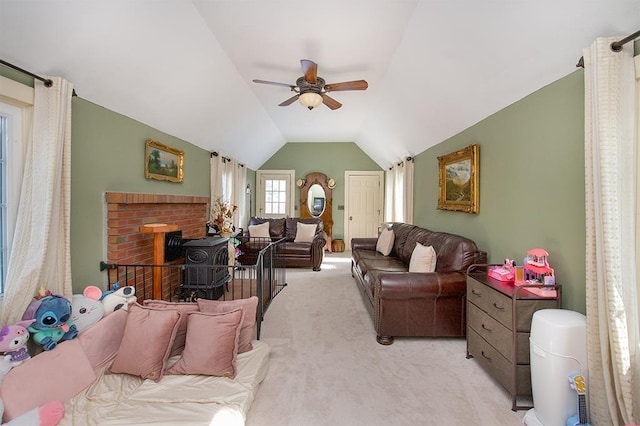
(250, 306)
(181, 333)
(146, 343)
(211, 347)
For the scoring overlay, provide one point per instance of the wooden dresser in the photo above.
(498, 325)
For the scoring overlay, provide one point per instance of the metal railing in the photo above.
(188, 282)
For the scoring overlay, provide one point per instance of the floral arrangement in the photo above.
(221, 218)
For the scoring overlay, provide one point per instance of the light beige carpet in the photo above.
(327, 369)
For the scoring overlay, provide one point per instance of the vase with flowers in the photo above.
(221, 217)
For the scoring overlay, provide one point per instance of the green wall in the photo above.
(330, 158)
(531, 186)
(107, 155)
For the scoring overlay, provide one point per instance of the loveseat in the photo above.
(294, 251)
(405, 303)
(80, 372)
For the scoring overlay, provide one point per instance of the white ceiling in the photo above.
(185, 67)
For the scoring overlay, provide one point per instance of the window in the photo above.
(10, 180)
(15, 108)
(275, 194)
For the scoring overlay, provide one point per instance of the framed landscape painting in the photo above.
(458, 183)
(163, 162)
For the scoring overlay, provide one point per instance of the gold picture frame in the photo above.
(162, 162)
(458, 182)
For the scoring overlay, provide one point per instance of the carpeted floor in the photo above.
(327, 369)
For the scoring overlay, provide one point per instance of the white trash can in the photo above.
(558, 348)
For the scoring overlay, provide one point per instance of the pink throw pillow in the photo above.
(146, 343)
(250, 307)
(181, 333)
(211, 347)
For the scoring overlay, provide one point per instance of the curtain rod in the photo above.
(47, 82)
(616, 46)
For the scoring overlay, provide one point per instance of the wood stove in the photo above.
(207, 269)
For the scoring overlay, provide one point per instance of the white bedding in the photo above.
(121, 399)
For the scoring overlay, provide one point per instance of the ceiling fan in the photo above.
(312, 90)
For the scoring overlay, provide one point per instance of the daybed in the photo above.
(77, 372)
(297, 250)
(405, 303)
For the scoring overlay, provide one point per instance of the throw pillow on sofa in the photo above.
(423, 259)
(181, 332)
(259, 231)
(146, 343)
(211, 347)
(305, 232)
(250, 307)
(385, 242)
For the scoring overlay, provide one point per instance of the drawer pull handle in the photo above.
(476, 293)
(485, 327)
(495, 305)
(484, 355)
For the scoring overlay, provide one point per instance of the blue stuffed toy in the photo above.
(52, 315)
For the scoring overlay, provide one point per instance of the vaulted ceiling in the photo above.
(186, 68)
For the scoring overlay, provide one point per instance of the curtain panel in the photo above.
(40, 254)
(611, 196)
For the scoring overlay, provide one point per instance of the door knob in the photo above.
(350, 217)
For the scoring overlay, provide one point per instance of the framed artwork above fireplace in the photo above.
(163, 162)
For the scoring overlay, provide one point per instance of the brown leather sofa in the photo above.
(290, 253)
(403, 303)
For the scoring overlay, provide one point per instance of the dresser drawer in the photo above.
(491, 360)
(496, 334)
(494, 303)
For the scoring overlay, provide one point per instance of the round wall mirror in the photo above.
(316, 200)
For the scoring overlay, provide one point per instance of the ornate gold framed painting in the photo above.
(458, 181)
(163, 162)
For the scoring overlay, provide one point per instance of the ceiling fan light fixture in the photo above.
(310, 99)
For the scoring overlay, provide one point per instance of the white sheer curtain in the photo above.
(229, 180)
(399, 192)
(41, 249)
(611, 196)
(239, 195)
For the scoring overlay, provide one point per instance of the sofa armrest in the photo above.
(317, 249)
(419, 285)
(364, 243)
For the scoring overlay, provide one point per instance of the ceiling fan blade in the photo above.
(310, 70)
(289, 101)
(346, 85)
(330, 102)
(273, 83)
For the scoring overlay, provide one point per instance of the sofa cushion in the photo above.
(383, 263)
(423, 259)
(181, 332)
(146, 343)
(305, 232)
(211, 345)
(385, 242)
(250, 307)
(259, 231)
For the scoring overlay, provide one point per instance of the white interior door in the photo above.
(275, 193)
(364, 199)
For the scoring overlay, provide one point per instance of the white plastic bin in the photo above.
(558, 347)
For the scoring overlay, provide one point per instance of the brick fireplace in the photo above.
(127, 212)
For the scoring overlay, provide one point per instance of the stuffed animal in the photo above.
(52, 323)
(48, 414)
(119, 298)
(13, 341)
(86, 308)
